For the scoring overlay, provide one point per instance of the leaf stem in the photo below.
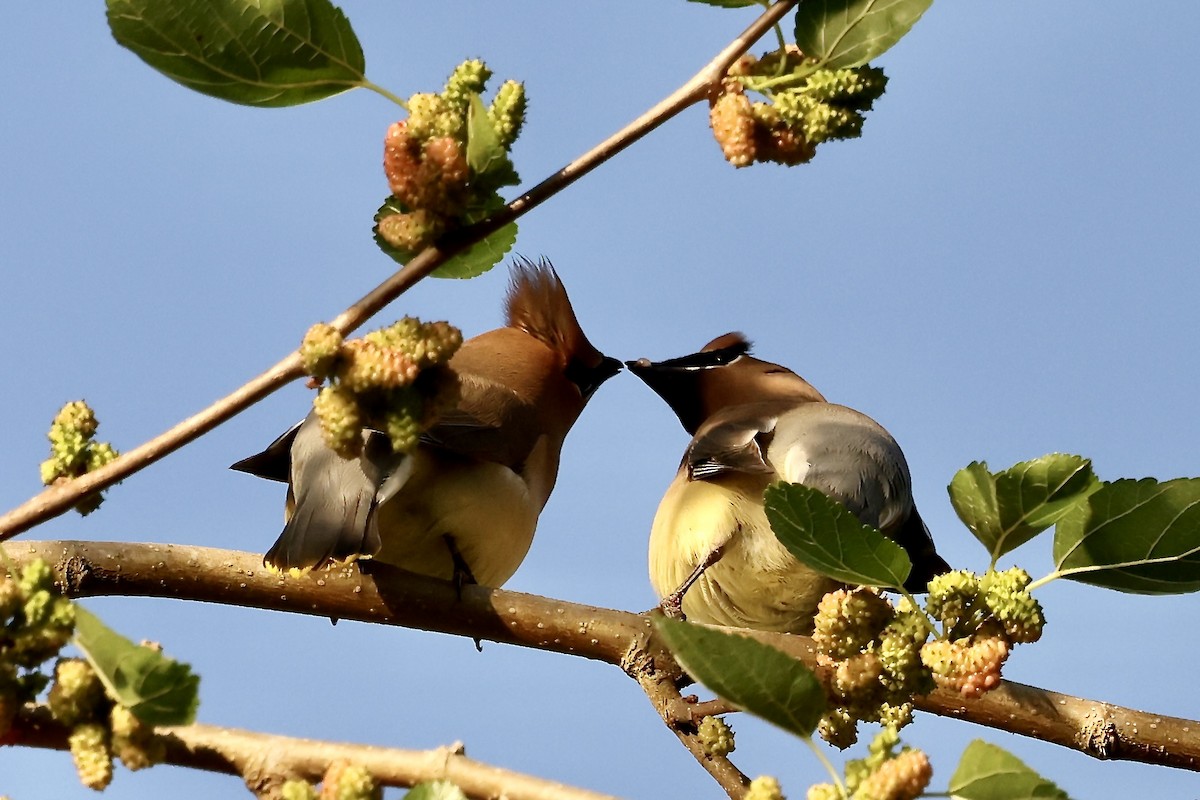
(825, 762)
(1040, 582)
(374, 87)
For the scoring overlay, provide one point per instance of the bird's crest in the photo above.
(538, 304)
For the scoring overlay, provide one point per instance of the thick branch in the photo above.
(1101, 730)
(59, 499)
(265, 761)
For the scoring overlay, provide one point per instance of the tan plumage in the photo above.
(754, 422)
(465, 504)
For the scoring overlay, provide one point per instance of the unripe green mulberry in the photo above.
(848, 620)
(319, 350)
(297, 789)
(1006, 596)
(72, 451)
(133, 741)
(11, 598)
(954, 599)
(838, 728)
(90, 751)
(507, 112)
(856, 87)
(900, 653)
(402, 420)
(36, 575)
(815, 120)
(77, 695)
(37, 608)
(431, 115)
(346, 781)
(341, 420)
(469, 77)
(732, 121)
(78, 416)
(764, 787)
(426, 343)
(716, 737)
(410, 232)
(896, 716)
(100, 454)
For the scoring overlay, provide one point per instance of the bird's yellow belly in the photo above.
(483, 510)
(756, 583)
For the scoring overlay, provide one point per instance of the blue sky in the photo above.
(1002, 267)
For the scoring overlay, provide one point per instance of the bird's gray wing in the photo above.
(854, 460)
(335, 500)
(734, 440)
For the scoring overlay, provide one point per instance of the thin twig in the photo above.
(59, 499)
(265, 761)
(1101, 730)
(664, 694)
(689, 711)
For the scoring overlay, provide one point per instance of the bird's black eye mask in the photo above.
(709, 359)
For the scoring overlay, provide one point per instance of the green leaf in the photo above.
(435, 790)
(847, 33)
(490, 166)
(158, 690)
(475, 260)
(826, 536)
(483, 143)
(1009, 508)
(255, 52)
(748, 673)
(986, 772)
(1141, 537)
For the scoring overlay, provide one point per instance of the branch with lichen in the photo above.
(59, 499)
(266, 761)
(382, 595)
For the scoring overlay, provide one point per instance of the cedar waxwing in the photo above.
(754, 423)
(465, 503)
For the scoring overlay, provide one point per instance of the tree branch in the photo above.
(266, 761)
(59, 499)
(389, 596)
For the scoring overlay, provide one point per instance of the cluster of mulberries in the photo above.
(803, 108)
(100, 728)
(982, 618)
(342, 781)
(883, 775)
(73, 450)
(425, 158)
(716, 737)
(879, 656)
(394, 380)
(871, 650)
(35, 623)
